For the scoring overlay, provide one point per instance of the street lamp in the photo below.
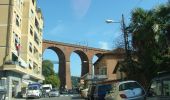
(122, 22)
(125, 34)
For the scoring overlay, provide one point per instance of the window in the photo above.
(36, 38)
(166, 88)
(30, 47)
(31, 13)
(17, 21)
(155, 88)
(35, 68)
(104, 88)
(33, 2)
(30, 64)
(14, 58)
(16, 39)
(36, 24)
(31, 30)
(35, 50)
(103, 71)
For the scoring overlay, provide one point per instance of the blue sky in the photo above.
(83, 22)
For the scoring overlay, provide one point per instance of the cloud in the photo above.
(57, 29)
(80, 7)
(104, 45)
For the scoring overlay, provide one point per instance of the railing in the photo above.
(96, 77)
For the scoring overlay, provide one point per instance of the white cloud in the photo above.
(80, 7)
(104, 45)
(57, 29)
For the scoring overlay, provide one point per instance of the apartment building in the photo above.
(21, 25)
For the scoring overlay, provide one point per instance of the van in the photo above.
(47, 87)
(159, 88)
(34, 90)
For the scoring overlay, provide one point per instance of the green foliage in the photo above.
(50, 76)
(75, 80)
(47, 68)
(52, 79)
(151, 38)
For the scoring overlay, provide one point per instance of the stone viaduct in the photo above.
(64, 50)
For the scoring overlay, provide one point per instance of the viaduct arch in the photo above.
(64, 50)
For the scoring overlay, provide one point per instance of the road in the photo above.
(62, 97)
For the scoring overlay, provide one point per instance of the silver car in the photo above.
(54, 93)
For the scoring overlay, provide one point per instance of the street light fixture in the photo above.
(125, 34)
(111, 21)
(122, 22)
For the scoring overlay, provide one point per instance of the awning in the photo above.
(23, 63)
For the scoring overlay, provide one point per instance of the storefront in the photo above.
(13, 83)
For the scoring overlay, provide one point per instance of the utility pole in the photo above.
(125, 34)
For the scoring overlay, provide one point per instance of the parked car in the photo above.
(90, 92)
(84, 93)
(47, 87)
(159, 88)
(101, 90)
(34, 90)
(54, 93)
(126, 90)
(63, 91)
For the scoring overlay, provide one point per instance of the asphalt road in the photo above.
(62, 97)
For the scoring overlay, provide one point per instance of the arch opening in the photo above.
(58, 61)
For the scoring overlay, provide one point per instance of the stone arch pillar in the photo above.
(90, 57)
(68, 84)
(90, 66)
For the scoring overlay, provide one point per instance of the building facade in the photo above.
(107, 63)
(21, 25)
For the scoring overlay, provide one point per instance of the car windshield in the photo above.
(160, 88)
(129, 86)
(32, 88)
(54, 90)
(46, 88)
(104, 88)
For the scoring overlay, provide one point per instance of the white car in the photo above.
(126, 90)
(34, 90)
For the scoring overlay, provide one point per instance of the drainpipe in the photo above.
(8, 29)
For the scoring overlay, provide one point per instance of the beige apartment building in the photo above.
(21, 25)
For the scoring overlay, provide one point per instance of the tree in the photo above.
(50, 76)
(47, 68)
(151, 38)
(52, 79)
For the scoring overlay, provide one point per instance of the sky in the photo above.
(83, 22)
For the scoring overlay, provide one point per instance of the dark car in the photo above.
(101, 90)
(159, 88)
(63, 91)
(90, 93)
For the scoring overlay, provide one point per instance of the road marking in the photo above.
(66, 95)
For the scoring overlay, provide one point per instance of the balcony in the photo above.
(95, 77)
(18, 69)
